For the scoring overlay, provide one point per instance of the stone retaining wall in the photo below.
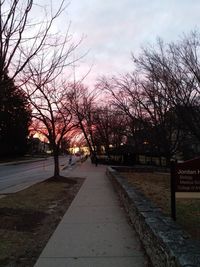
(166, 244)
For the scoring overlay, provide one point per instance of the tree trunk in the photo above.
(56, 162)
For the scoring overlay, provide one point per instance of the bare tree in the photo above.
(162, 96)
(83, 108)
(51, 115)
(175, 68)
(110, 127)
(45, 80)
(123, 92)
(148, 110)
(21, 36)
(186, 57)
(161, 118)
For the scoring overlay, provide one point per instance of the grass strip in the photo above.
(156, 187)
(29, 217)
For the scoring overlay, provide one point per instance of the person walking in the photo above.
(70, 160)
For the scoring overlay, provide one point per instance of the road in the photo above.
(15, 177)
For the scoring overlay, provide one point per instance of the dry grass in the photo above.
(156, 187)
(29, 217)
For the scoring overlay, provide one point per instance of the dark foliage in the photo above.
(15, 117)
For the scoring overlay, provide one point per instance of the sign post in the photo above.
(173, 192)
(185, 177)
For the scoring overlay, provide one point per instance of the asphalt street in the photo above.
(15, 177)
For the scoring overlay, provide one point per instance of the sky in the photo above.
(113, 29)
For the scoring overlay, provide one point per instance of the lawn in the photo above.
(156, 187)
(29, 217)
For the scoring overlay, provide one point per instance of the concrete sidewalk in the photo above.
(94, 232)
